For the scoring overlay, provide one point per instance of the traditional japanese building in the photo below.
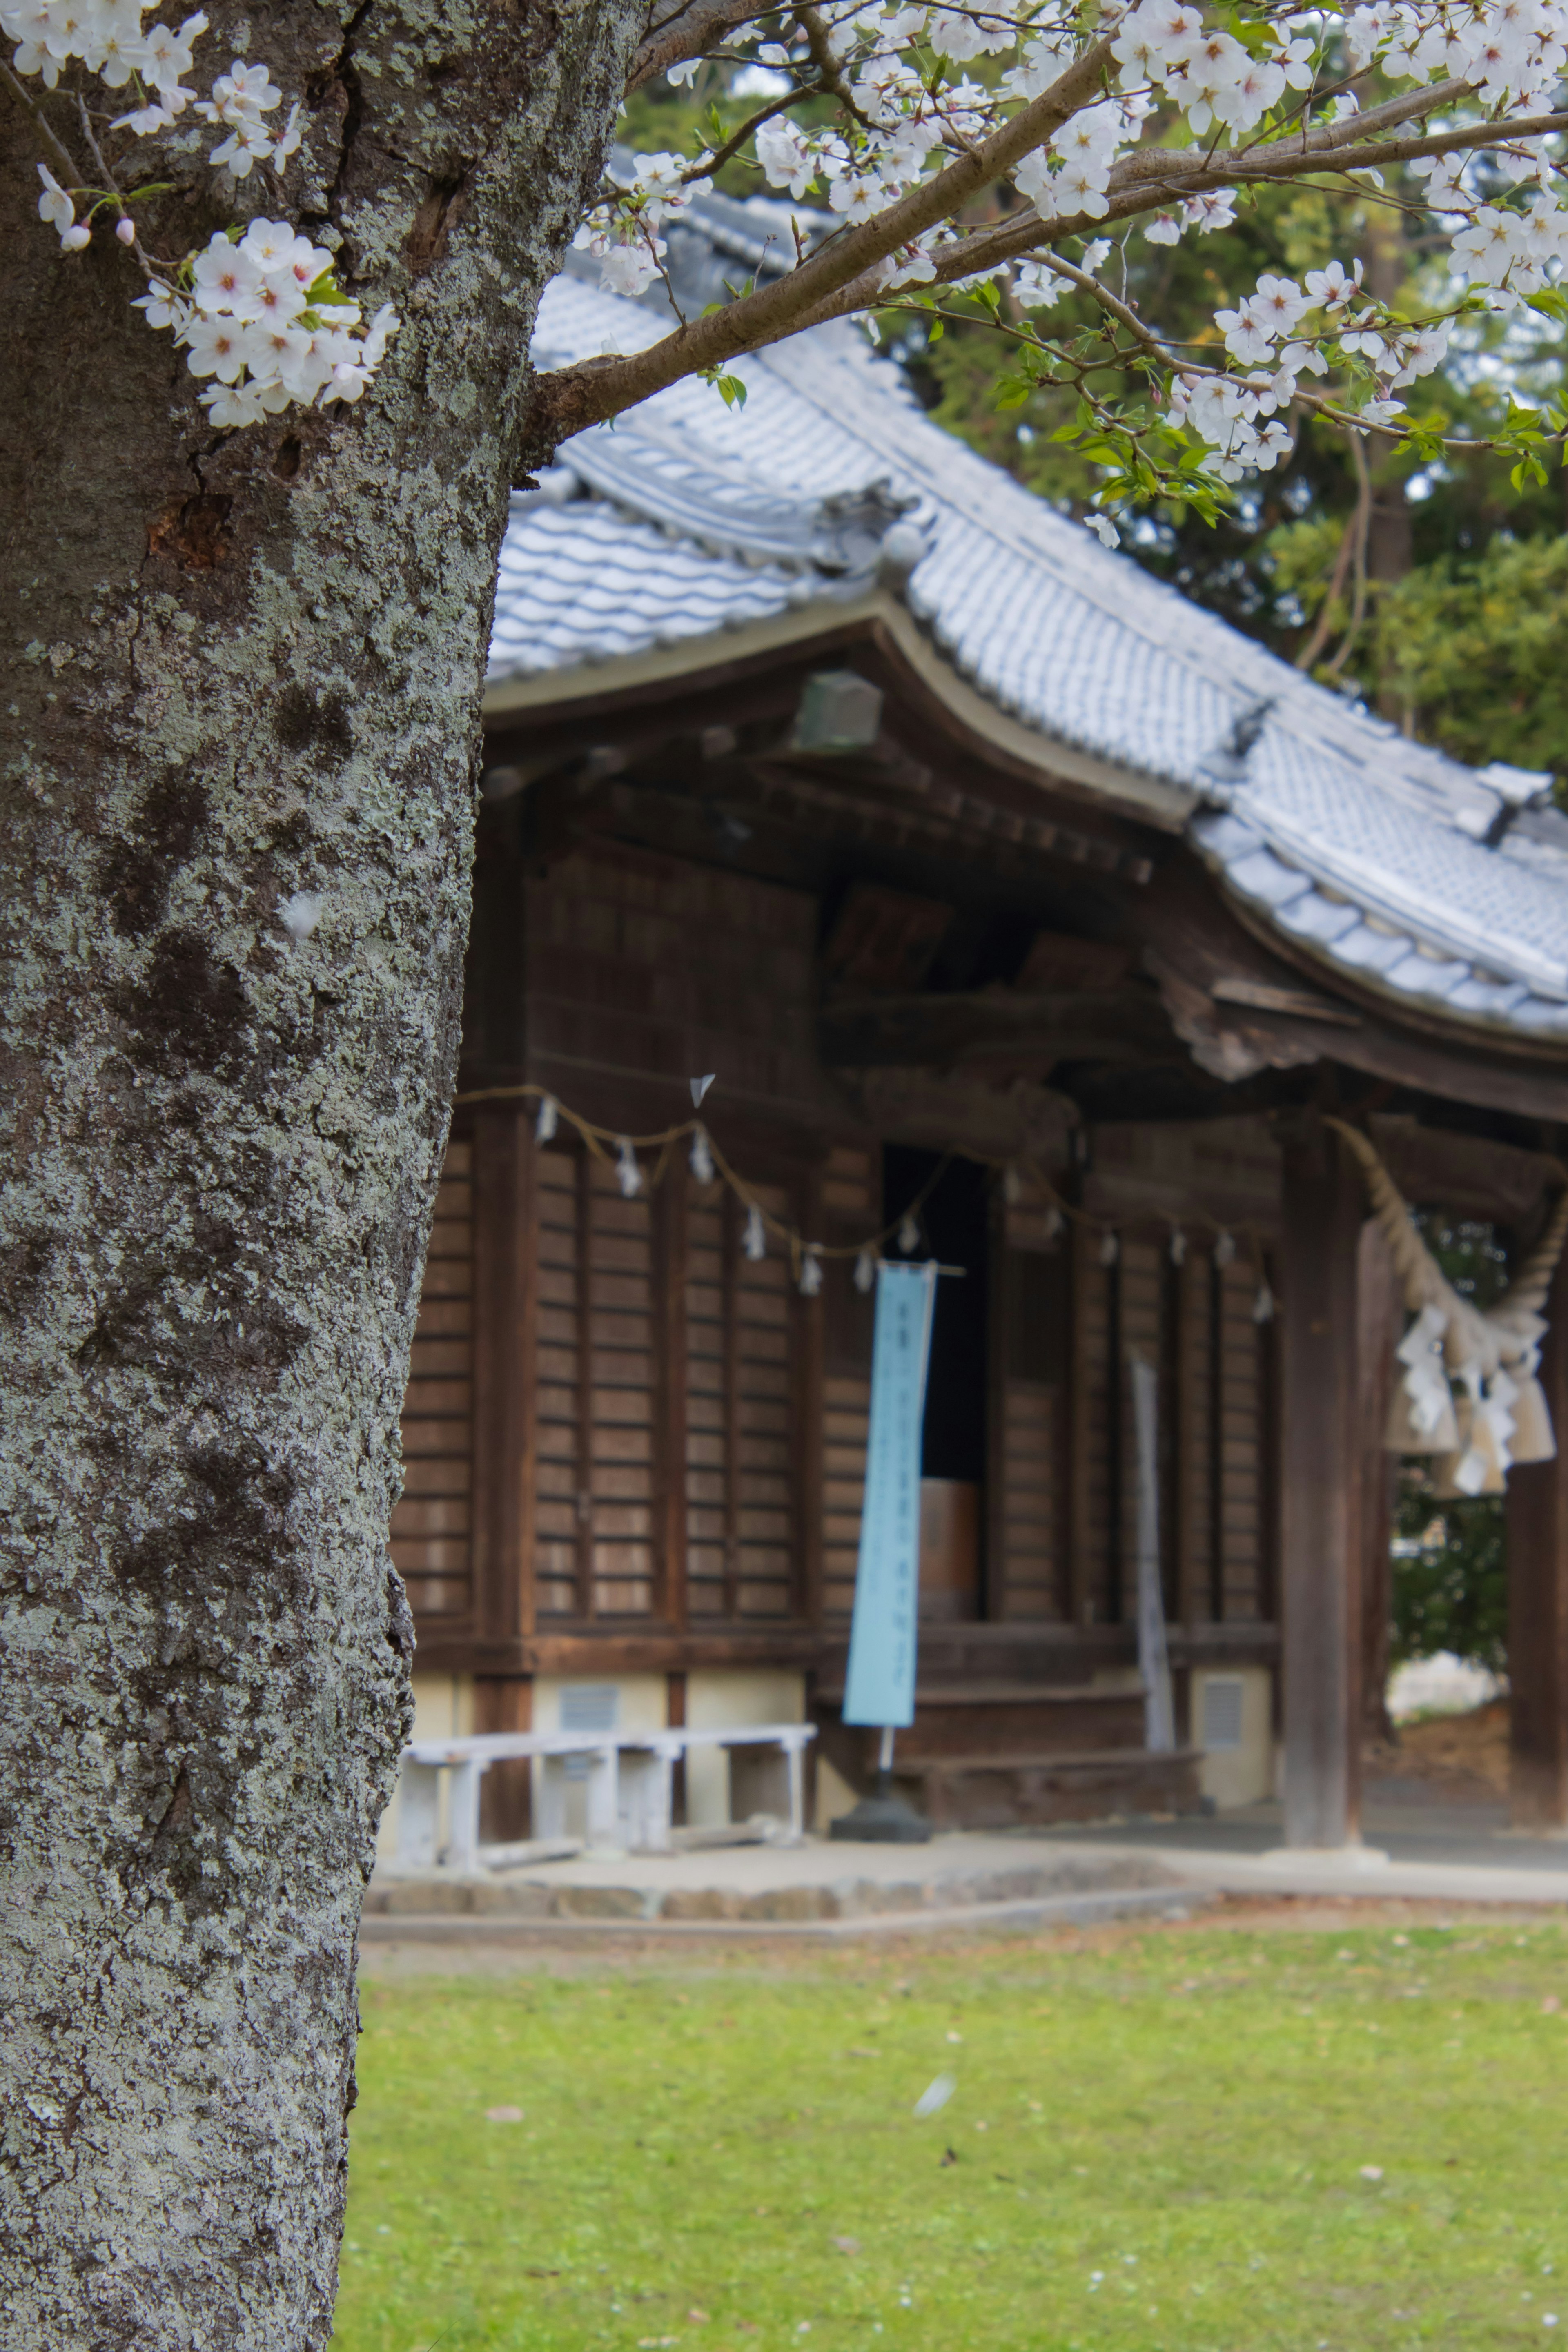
(1002, 890)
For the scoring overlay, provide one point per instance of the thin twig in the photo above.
(109, 182)
(828, 71)
(1323, 625)
(720, 155)
(1120, 310)
(1361, 526)
(62, 152)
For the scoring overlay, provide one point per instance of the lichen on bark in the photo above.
(236, 668)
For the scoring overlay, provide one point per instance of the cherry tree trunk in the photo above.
(240, 670)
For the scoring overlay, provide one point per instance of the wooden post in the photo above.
(675, 1717)
(1538, 1601)
(504, 1702)
(1323, 1211)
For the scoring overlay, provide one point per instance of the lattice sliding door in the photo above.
(743, 1438)
(1027, 1521)
(1241, 1361)
(850, 1198)
(432, 1525)
(1195, 1323)
(597, 1379)
(1096, 1463)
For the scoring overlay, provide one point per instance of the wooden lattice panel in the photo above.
(594, 1393)
(1027, 1525)
(1195, 1325)
(847, 1425)
(557, 1484)
(1033, 1563)
(1096, 1434)
(1238, 1404)
(432, 1525)
(1195, 1464)
(742, 1478)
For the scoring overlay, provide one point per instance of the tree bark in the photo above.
(238, 667)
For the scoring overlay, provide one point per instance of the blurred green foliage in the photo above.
(1450, 1590)
(1450, 1564)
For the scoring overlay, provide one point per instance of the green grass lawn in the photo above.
(1200, 2140)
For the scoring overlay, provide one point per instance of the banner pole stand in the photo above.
(884, 1817)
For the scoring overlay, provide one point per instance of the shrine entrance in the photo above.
(954, 1223)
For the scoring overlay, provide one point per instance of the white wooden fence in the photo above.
(630, 1777)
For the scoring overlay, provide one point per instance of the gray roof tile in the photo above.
(696, 518)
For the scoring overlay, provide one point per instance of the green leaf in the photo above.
(326, 294)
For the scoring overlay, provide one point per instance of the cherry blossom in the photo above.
(869, 102)
(53, 204)
(259, 313)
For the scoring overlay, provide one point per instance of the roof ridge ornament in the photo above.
(843, 537)
(1221, 770)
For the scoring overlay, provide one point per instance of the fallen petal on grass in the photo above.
(936, 2095)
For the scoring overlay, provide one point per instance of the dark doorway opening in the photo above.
(954, 1223)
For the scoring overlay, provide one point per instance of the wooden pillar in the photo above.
(1381, 1322)
(504, 1702)
(675, 1717)
(1538, 1601)
(504, 1250)
(1322, 1213)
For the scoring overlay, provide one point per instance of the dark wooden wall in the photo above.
(667, 1439)
(432, 1527)
(642, 966)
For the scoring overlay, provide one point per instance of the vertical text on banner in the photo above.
(881, 1680)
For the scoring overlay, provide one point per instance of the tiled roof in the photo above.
(688, 519)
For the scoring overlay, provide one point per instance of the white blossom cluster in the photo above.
(263, 316)
(259, 311)
(625, 238)
(1293, 330)
(108, 38)
(911, 103)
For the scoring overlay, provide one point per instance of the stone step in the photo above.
(977, 1720)
(997, 1791)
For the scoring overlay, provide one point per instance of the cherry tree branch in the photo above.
(682, 33)
(571, 398)
(829, 72)
(109, 182)
(848, 271)
(1027, 235)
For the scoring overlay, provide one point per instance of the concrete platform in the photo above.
(817, 1888)
(1423, 1847)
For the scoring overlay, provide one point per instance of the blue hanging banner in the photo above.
(881, 1680)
